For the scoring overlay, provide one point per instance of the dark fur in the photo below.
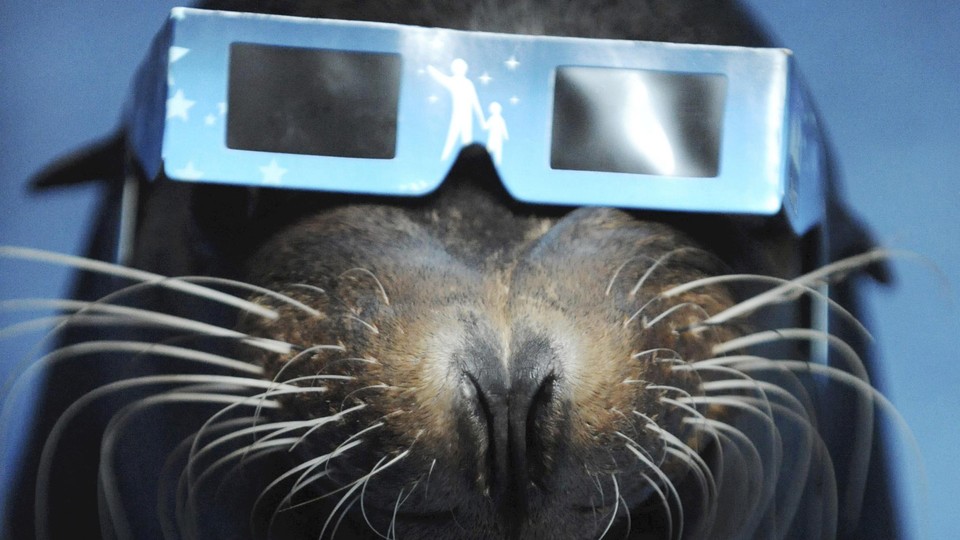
(494, 476)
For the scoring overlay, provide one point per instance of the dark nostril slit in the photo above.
(540, 429)
(480, 421)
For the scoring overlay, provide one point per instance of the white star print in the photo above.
(512, 63)
(485, 78)
(189, 172)
(272, 173)
(178, 106)
(514, 100)
(222, 108)
(433, 99)
(209, 119)
(177, 53)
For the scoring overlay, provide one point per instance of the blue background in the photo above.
(886, 77)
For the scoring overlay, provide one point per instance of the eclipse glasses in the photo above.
(360, 107)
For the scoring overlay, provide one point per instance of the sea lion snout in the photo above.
(502, 386)
(509, 412)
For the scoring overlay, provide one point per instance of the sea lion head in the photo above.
(463, 365)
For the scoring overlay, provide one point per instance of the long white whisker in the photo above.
(307, 466)
(800, 290)
(696, 463)
(862, 439)
(616, 505)
(53, 439)
(668, 312)
(356, 484)
(721, 365)
(107, 480)
(775, 294)
(846, 351)
(768, 389)
(256, 401)
(363, 508)
(371, 427)
(392, 529)
(346, 510)
(167, 515)
(317, 423)
(754, 469)
(132, 347)
(254, 289)
(100, 267)
(842, 377)
(306, 353)
(666, 481)
(152, 317)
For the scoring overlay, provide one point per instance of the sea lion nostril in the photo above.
(543, 416)
(509, 422)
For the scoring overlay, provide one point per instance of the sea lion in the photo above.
(463, 365)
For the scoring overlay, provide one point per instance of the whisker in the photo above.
(317, 423)
(392, 529)
(653, 352)
(240, 455)
(806, 334)
(53, 438)
(306, 353)
(369, 326)
(701, 468)
(721, 365)
(307, 466)
(69, 352)
(44, 323)
(663, 259)
(356, 485)
(616, 273)
(153, 317)
(100, 267)
(616, 505)
(754, 470)
(254, 289)
(307, 287)
(371, 427)
(167, 515)
(383, 292)
(768, 389)
(257, 401)
(426, 486)
(275, 430)
(835, 306)
(346, 510)
(113, 508)
(666, 481)
(862, 438)
(363, 508)
(775, 294)
(844, 378)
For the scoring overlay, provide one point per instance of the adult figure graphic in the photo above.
(465, 104)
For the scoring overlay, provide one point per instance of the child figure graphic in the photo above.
(496, 128)
(464, 104)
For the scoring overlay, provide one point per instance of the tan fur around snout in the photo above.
(412, 313)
